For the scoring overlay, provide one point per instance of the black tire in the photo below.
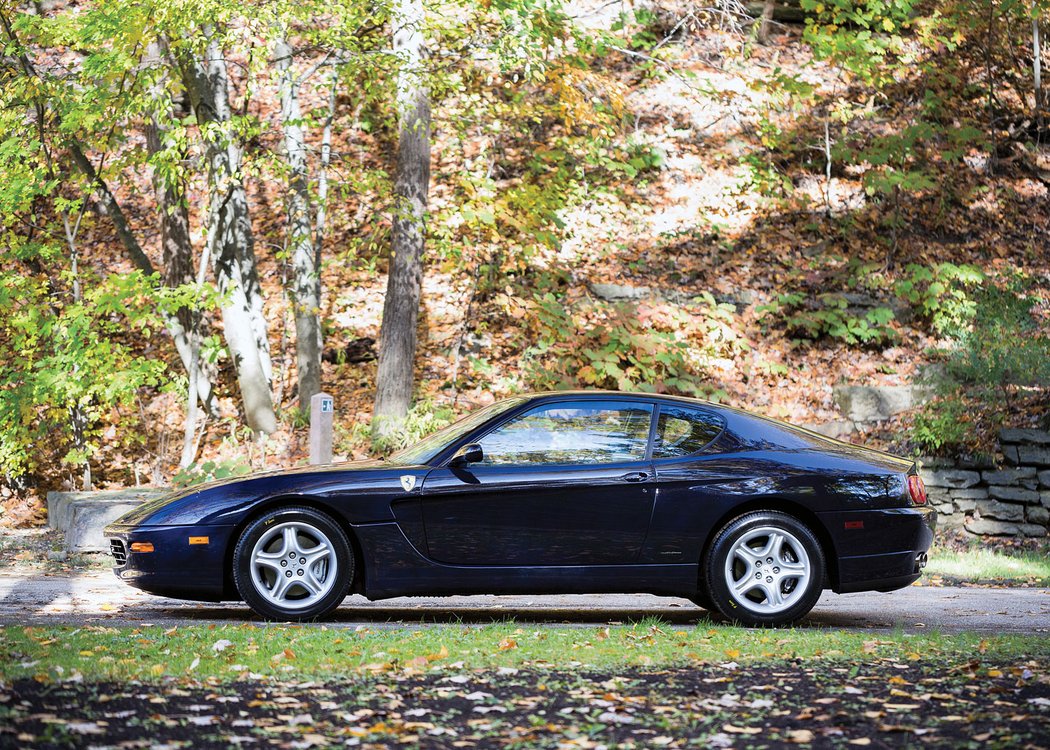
(314, 578)
(745, 585)
(703, 600)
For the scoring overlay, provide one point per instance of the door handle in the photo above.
(635, 476)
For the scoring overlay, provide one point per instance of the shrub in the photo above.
(1000, 354)
(629, 347)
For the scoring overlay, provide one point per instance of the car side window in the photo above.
(682, 431)
(579, 432)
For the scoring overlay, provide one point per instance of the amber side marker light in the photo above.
(198, 540)
(917, 489)
(142, 546)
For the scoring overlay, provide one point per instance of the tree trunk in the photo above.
(765, 21)
(230, 241)
(306, 276)
(175, 242)
(397, 348)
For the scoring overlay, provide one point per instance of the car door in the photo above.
(564, 483)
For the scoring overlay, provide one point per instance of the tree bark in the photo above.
(230, 242)
(765, 21)
(175, 242)
(397, 349)
(306, 276)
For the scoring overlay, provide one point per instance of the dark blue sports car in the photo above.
(576, 492)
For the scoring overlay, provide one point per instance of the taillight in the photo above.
(917, 489)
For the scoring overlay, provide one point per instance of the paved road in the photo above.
(98, 598)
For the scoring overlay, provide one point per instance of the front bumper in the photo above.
(863, 562)
(182, 565)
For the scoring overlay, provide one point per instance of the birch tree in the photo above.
(230, 243)
(306, 276)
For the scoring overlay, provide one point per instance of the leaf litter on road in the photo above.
(796, 702)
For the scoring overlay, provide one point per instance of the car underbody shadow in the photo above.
(382, 615)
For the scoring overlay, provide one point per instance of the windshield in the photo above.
(426, 449)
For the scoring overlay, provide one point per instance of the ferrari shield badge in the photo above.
(408, 481)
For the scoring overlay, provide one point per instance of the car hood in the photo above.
(226, 501)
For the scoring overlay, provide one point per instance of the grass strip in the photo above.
(232, 652)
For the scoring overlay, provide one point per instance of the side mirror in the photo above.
(468, 454)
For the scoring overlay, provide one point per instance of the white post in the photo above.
(322, 410)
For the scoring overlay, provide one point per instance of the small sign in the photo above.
(326, 405)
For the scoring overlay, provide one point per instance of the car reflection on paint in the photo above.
(574, 492)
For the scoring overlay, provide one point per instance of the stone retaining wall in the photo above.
(1011, 497)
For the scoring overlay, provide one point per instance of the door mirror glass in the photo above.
(468, 454)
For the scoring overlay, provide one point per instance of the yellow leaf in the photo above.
(107, 608)
(732, 729)
(995, 673)
(860, 741)
(439, 655)
(732, 653)
(507, 644)
(157, 670)
(289, 654)
(800, 736)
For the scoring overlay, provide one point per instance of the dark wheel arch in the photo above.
(799, 512)
(790, 579)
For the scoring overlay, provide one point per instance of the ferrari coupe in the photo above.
(554, 493)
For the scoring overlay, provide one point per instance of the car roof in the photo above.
(604, 395)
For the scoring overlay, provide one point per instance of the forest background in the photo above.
(210, 211)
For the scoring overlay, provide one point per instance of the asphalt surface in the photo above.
(96, 597)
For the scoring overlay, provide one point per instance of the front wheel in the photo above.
(765, 568)
(293, 563)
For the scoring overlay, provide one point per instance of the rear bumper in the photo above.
(863, 564)
(175, 568)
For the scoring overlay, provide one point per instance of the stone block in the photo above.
(965, 504)
(976, 462)
(954, 478)
(83, 515)
(950, 520)
(939, 494)
(988, 527)
(976, 493)
(1031, 529)
(60, 504)
(927, 463)
(1044, 478)
(1000, 511)
(1010, 454)
(88, 519)
(1044, 498)
(1013, 494)
(1033, 454)
(1009, 476)
(1007, 435)
(839, 430)
(864, 403)
(614, 292)
(1039, 515)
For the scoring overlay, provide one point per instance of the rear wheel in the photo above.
(293, 563)
(765, 568)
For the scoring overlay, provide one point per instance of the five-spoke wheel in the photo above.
(293, 563)
(764, 568)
